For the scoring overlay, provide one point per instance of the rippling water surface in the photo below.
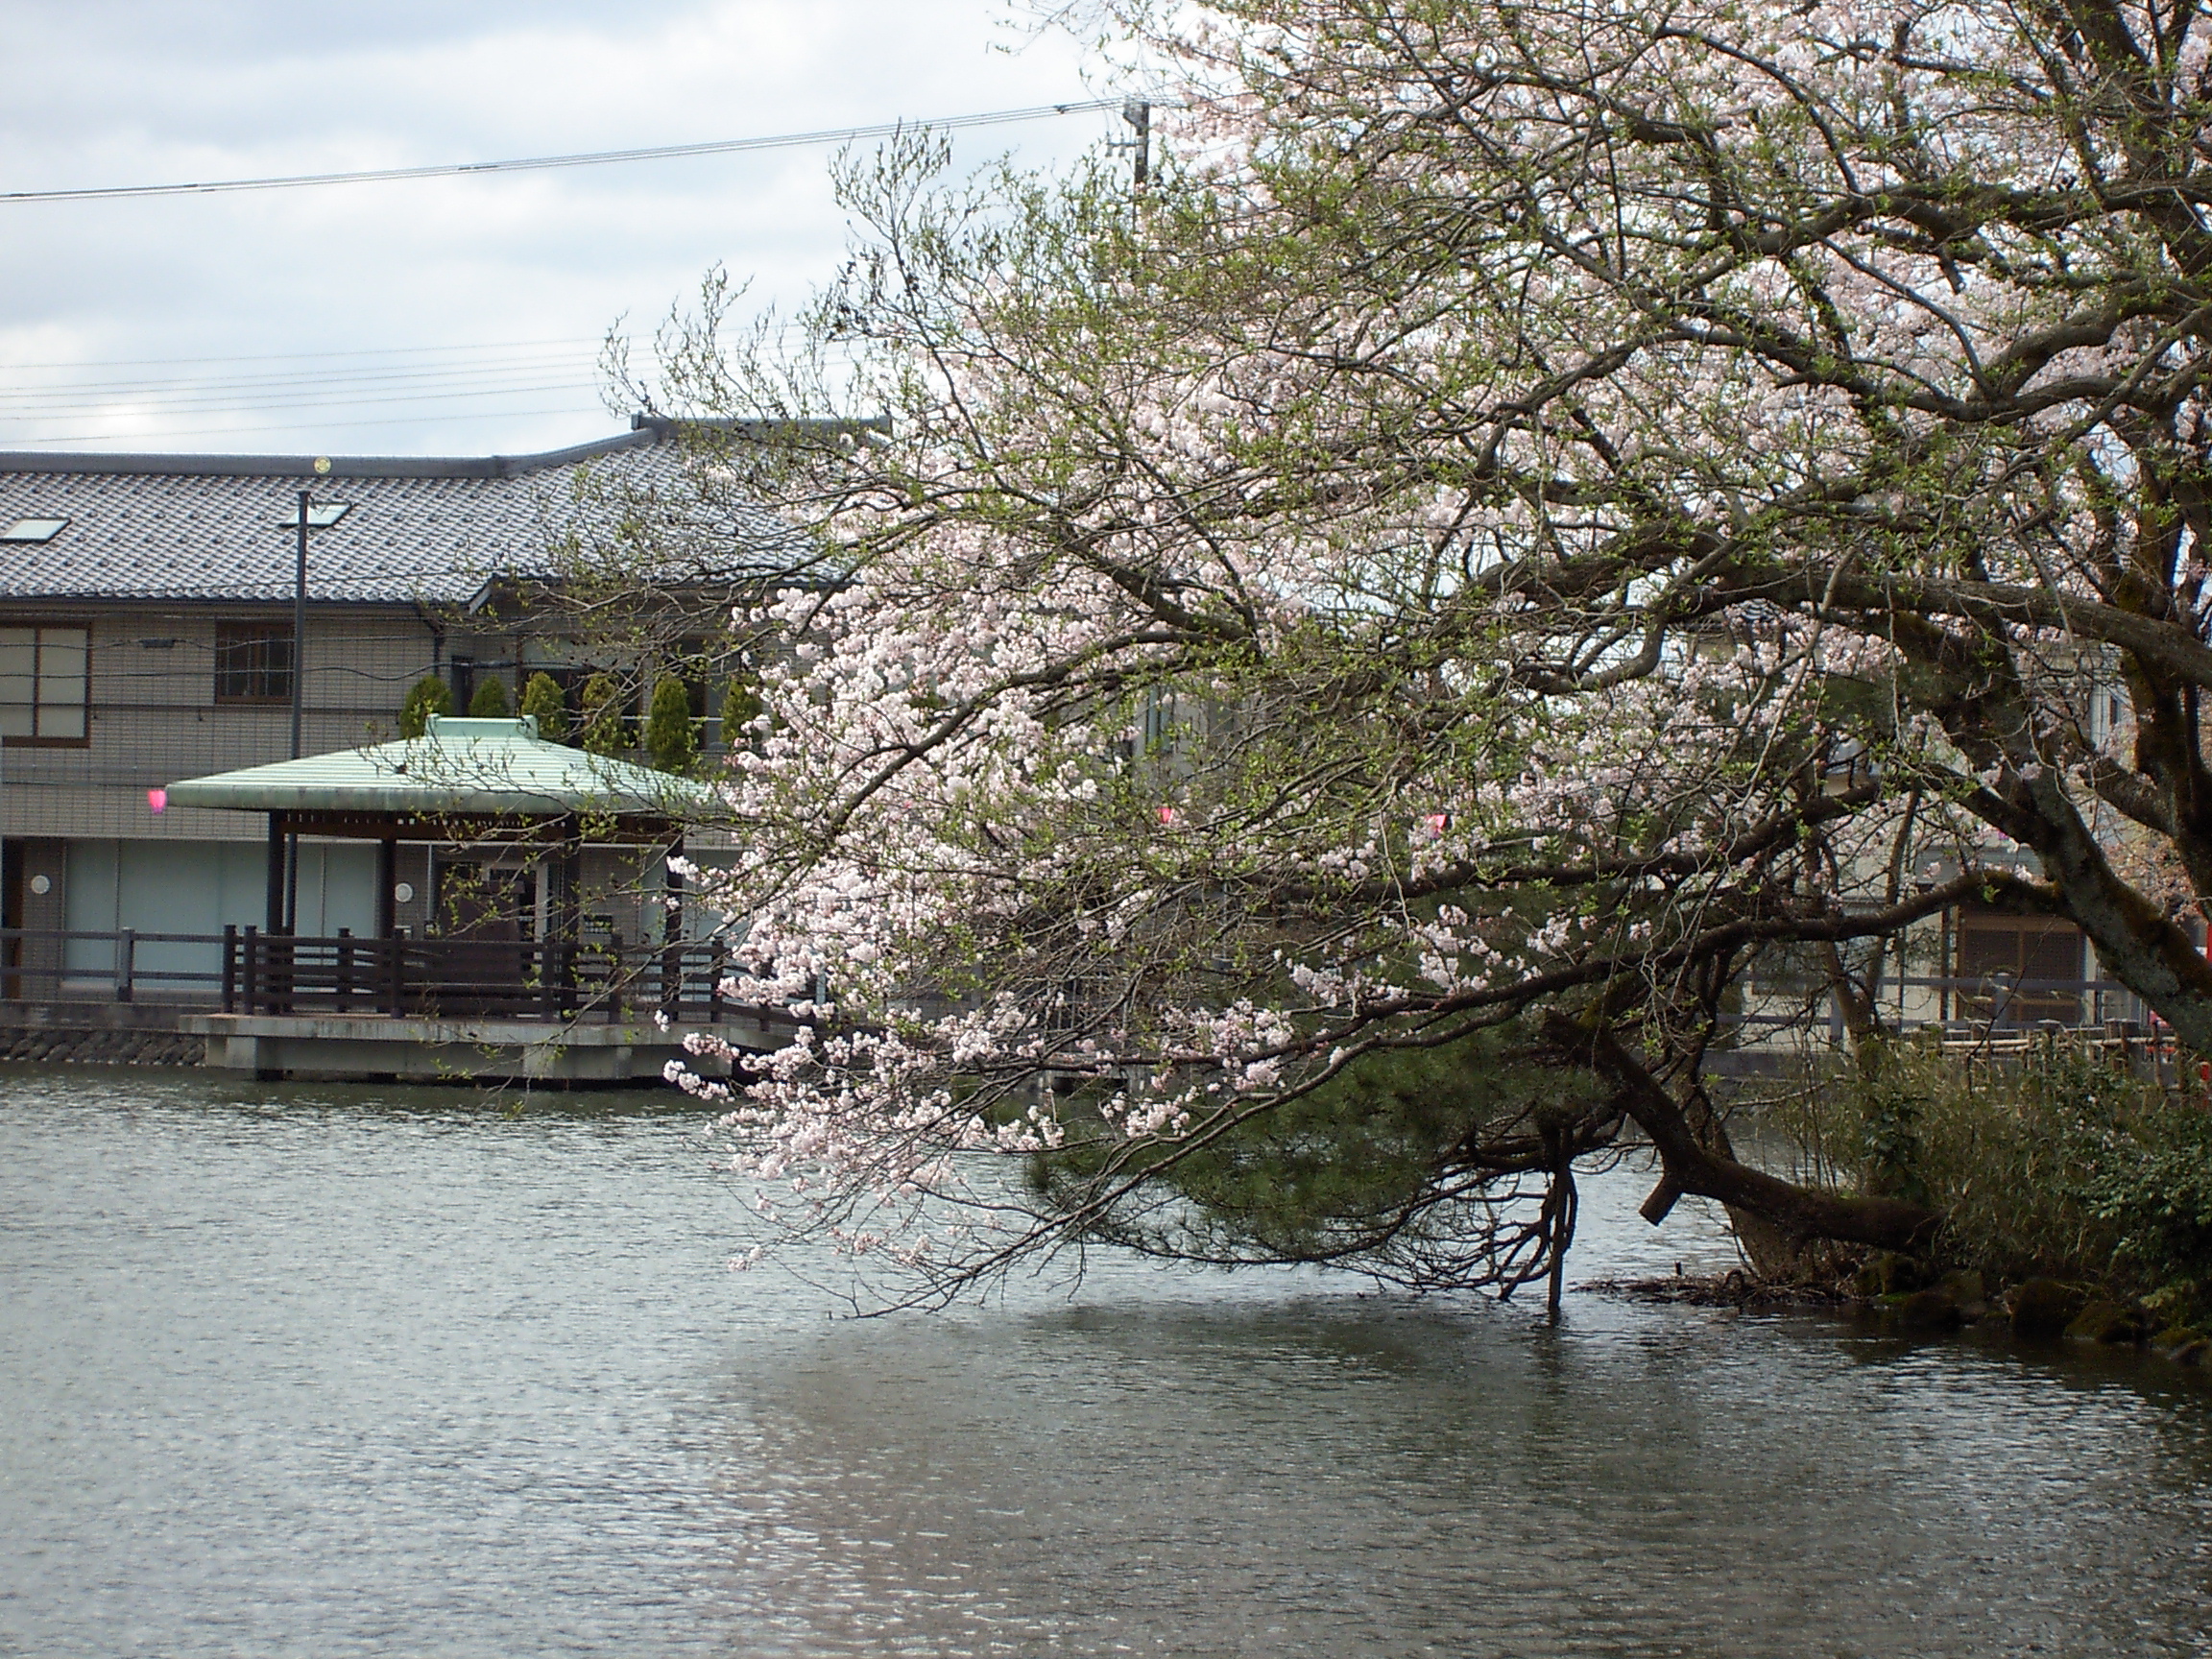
(397, 1372)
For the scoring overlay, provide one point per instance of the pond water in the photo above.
(351, 1371)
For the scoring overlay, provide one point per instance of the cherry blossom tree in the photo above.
(1346, 652)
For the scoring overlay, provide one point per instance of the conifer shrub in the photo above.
(740, 706)
(1351, 1165)
(671, 738)
(543, 699)
(489, 702)
(603, 728)
(427, 696)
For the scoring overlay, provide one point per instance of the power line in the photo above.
(188, 400)
(217, 403)
(292, 427)
(332, 355)
(185, 402)
(319, 374)
(299, 356)
(314, 376)
(63, 401)
(60, 399)
(585, 159)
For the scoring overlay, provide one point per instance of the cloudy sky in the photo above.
(450, 316)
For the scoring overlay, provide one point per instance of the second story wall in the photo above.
(176, 693)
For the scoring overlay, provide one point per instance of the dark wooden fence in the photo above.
(244, 971)
(48, 965)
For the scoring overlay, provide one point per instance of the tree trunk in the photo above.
(1771, 1252)
(1795, 1216)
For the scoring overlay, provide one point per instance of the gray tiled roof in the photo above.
(183, 527)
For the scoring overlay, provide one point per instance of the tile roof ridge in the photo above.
(646, 432)
(158, 464)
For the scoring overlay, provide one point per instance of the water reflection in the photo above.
(1305, 1480)
(387, 1372)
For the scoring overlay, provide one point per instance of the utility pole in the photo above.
(1137, 112)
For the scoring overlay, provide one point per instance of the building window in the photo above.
(253, 661)
(43, 678)
(2017, 971)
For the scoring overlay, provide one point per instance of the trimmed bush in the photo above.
(2065, 1167)
(491, 701)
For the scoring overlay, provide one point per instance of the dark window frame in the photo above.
(37, 631)
(1995, 951)
(248, 672)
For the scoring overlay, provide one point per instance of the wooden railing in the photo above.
(52, 965)
(245, 971)
(248, 971)
(1980, 1003)
(549, 979)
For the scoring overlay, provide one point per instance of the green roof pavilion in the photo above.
(463, 781)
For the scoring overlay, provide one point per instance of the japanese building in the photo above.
(147, 634)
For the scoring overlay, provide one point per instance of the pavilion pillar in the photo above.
(672, 932)
(387, 878)
(291, 883)
(672, 915)
(275, 923)
(567, 919)
(564, 910)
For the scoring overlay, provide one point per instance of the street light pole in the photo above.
(298, 706)
(1137, 112)
(299, 626)
(299, 686)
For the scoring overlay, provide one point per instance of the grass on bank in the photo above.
(2064, 1165)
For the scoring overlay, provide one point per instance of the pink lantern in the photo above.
(157, 800)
